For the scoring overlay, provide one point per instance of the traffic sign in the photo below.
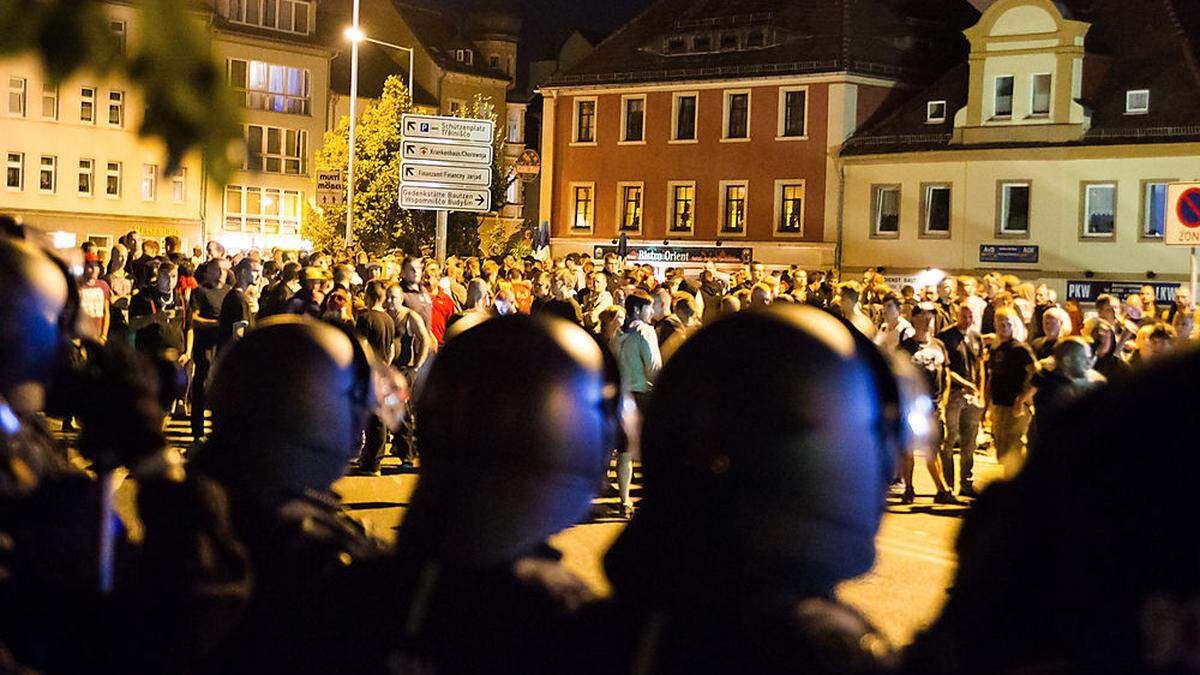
(448, 128)
(445, 199)
(528, 165)
(453, 153)
(331, 188)
(422, 172)
(1183, 215)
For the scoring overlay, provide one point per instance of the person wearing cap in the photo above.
(311, 296)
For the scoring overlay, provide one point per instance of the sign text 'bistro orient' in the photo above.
(682, 254)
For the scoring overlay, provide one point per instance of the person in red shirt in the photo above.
(522, 288)
(442, 302)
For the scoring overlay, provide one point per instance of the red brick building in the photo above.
(715, 121)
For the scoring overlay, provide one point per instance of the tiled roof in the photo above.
(1147, 44)
(900, 39)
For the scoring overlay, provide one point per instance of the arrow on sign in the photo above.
(411, 125)
(408, 171)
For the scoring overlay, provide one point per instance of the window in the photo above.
(793, 111)
(733, 207)
(633, 122)
(685, 117)
(48, 174)
(116, 108)
(790, 209)
(675, 45)
(456, 106)
(935, 112)
(14, 173)
(16, 96)
(118, 31)
(631, 208)
(583, 206)
(935, 210)
(149, 182)
(275, 150)
(729, 41)
(885, 210)
(265, 210)
(87, 105)
(702, 43)
(112, 180)
(1002, 106)
(737, 114)
(267, 86)
(87, 177)
(1154, 208)
(49, 101)
(1040, 105)
(464, 56)
(585, 120)
(1099, 209)
(494, 62)
(1014, 209)
(755, 39)
(683, 202)
(291, 16)
(179, 186)
(515, 127)
(1137, 102)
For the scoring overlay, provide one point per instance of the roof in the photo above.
(897, 39)
(1150, 44)
(441, 34)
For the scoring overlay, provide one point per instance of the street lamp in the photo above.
(355, 35)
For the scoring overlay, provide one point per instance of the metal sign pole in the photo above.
(353, 121)
(443, 219)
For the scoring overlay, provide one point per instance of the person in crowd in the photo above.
(1055, 324)
(561, 302)
(1009, 370)
(640, 360)
(964, 399)
(895, 328)
(95, 298)
(678, 325)
(309, 299)
(1066, 377)
(1149, 302)
(276, 295)
(505, 302)
(377, 328)
(1102, 338)
(1183, 300)
(1152, 342)
(158, 316)
(416, 295)
(946, 289)
(1184, 325)
(731, 483)
(595, 300)
(236, 315)
(932, 360)
(612, 319)
(848, 307)
(339, 309)
(204, 318)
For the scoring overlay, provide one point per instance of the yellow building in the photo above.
(1046, 153)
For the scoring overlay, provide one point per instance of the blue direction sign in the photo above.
(1006, 253)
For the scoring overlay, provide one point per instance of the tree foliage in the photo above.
(188, 105)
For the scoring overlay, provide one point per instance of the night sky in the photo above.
(547, 22)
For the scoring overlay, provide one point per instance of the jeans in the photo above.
(1008, 431)
(375, 445)
(962, 428)
(202, 360)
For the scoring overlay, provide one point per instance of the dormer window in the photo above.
(702, 43)
(935, 112)
(1137, 102)
(729, 41)
(675, 45)
(755, 39)
(464, 56)
(1002, 105)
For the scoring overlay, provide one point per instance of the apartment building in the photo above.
(710, 124)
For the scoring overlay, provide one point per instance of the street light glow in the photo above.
(354, 34)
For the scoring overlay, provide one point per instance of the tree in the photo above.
(188, 104)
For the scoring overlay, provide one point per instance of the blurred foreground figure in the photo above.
(756, 506)
(1086, 562)
(289, 403)
(518, 415)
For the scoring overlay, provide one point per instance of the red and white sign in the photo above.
(1183, 215)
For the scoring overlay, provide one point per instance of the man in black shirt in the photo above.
(964, 401)
(1009, 368)
(205, 312)
(159, 307)
(236, 317)
(376, 327)
(930, 357)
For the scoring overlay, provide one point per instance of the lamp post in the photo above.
(355, 35)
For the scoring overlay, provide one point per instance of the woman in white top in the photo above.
(640, 361)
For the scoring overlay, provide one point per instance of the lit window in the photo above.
(737, 115)
(635, 116)
(16, 96)
(631, 208)
(179, 186)
(291, 16)
(116, 108)
(1003, 103)
(584, 207)
(87, 177)
(112, 180)
(271, 87)
(87, 105)
(515, 131)
(1154, 209)
(585, 121)
(1099, 209)
(791, 208)
(935, 112)
(793, 108)
(265, 210)
(149, 182)
(1014, 208)
(48, 174)
(49, 101)
(683, 201)
(733, 216)
(885, 210)
(936, 210)
(685, 117)
(275, 150)
(1137, 102)
(14, 174)
(1040, 105)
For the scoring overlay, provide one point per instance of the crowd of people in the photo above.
(771, 411)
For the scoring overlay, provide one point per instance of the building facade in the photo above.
(1046, 152)
(698, 125)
